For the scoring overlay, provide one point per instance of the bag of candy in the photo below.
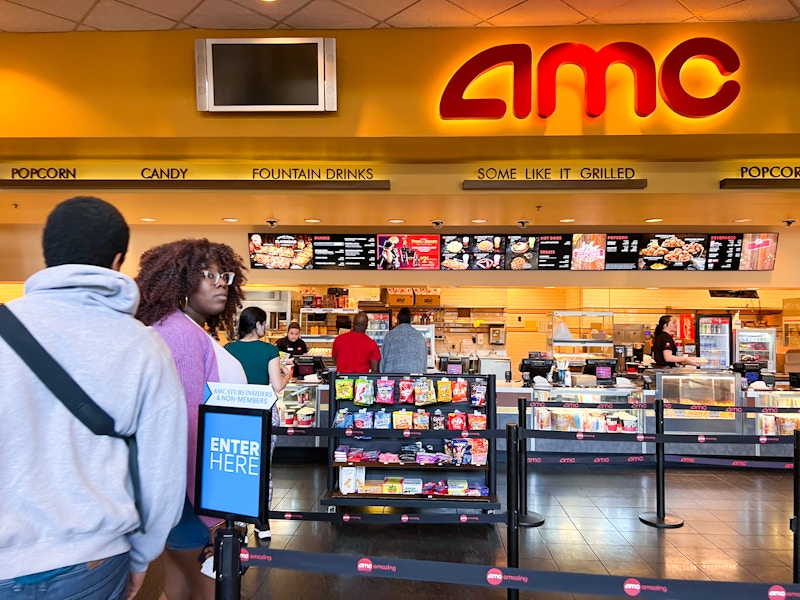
(343, 418)
(478, 393)
(365, 392)
(401, 419)
(456, 420)
(422, 419)
(385, 393)
(476, 421)
(344, 388)
(438, 420)
(406, 391)
(460, 390)
(445, 389)
(424, 393)
(382, 420)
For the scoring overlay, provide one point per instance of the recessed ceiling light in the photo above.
(652, 288)
(312, 220)
(479, 221)
(742, 220)
(566, 220)
(397, 221)
(147, 219)
(653, 220)
(549, 287)
(230, 220)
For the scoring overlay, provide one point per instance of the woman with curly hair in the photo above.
(187, 286)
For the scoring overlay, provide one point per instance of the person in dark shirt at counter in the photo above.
(664, 350)
(292, 343)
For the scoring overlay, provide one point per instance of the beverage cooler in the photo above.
(429, 331)
(714, 340)
(380, 322)
(755, 345)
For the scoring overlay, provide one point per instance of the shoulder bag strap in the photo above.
(66, 389)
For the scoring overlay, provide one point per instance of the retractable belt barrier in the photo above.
(505, 577)
(389, 519)
(389, 433)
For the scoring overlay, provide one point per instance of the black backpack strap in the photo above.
(66, 389)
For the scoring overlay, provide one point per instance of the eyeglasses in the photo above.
(227, 276)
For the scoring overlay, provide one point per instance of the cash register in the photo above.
(309, 365)
(531, 367)
(602, 369)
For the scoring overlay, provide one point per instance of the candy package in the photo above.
(476, 421)
(460, 390)
(406, 391)
(365, 392)
(344, 388)
(438, 420)
(444, 387)
(422, 419)
(382, 420)
(402, 419)
(424, 393)
(477, 395)
(456, 420)
(385, 393)
(363, 419)
(343, 418)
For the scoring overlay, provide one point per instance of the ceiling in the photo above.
(148, 15)
(372, 209)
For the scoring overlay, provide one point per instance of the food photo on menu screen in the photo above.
(758, 251)
(478, 252)
(522, 252)
(408, 251)
(686, 252)
(588, 252)
(280, 251)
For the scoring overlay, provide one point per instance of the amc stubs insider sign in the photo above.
(229, 477)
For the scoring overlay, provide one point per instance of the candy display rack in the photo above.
(472, 479)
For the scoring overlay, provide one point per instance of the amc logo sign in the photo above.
(594, 64)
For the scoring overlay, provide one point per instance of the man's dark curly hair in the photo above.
(168, 273)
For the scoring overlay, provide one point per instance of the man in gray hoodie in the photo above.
(70, 527)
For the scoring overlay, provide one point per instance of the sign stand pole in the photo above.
(227, 563)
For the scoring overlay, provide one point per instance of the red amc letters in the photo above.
(594, 64)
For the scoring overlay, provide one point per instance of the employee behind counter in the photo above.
(292, 343)
(664, 350)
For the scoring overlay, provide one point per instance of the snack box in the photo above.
(412, 486)
(371, 487)
(397, 296)
(347, 480)
(393, 485)
(427, 297)
(457, 487)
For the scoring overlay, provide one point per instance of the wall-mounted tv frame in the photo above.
(266, 74)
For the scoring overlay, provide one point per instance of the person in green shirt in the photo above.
(262, 365)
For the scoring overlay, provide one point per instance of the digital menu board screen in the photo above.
(522, 252)
(724, 252)
(477, 252)
(555, 252)
(672, 251)
(345, 252)
(622, 251)
(408, 251)
(758, 251)
(588, 252)
(280, 251)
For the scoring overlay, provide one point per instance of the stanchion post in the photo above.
(660, 519)
(227, 563)
(526, 519)
(512, 498)
(793, 524)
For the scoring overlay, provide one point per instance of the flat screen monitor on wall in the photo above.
(266, 74)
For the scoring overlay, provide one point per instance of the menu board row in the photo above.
(486, 252)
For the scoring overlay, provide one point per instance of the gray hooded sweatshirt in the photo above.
(65, 494)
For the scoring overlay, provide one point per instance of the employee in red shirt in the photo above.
(355, 351)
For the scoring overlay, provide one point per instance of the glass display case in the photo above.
(590, 419)
(776, 424)
(576, 336)
(755, 345)
(700, 389)
(298, 406)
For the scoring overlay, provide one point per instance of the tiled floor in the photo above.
(736, 529)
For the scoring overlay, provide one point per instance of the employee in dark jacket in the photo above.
(292, 344)
(664, 351)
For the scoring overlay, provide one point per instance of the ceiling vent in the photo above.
(733, 293)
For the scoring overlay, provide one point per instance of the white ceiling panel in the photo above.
(110, 15)
(545, 12)
(20, 19)
(174, 9)
(434, 13)
(380, 11)
(486, 9)
(222, 14)
(321, 12)
(653, 11)
(754, 10)
(74, 10)
(277, 11)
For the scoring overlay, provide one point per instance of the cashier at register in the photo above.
(664, 351)
(292, 343)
